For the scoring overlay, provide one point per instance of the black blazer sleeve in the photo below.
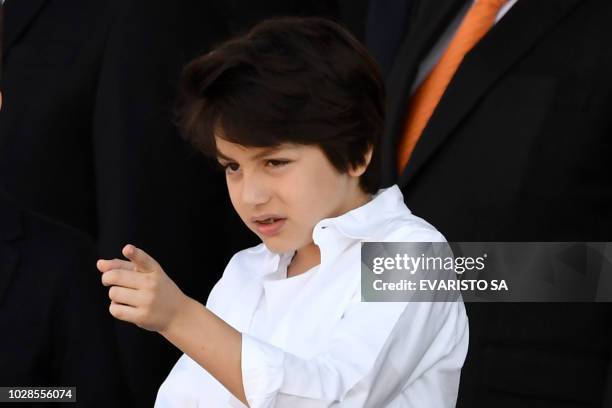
(151, 188)
(56, 330)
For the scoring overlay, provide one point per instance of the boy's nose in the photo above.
(254, 192)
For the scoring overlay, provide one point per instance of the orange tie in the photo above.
(478, 20)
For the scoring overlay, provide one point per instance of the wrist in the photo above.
(182, 316)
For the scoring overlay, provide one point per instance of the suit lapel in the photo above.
(430, 20)
(18, 14)
(522, 28)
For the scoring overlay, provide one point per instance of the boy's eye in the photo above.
(276, 163)
(230, 167)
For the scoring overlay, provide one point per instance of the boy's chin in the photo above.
(278, 246)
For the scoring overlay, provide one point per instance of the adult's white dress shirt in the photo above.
(309, 341)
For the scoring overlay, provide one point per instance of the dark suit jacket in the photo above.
(53, 311)
(519, 149)
(87, 138)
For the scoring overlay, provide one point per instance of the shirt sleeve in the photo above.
(415, 336)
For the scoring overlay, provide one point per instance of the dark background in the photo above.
(517, 150)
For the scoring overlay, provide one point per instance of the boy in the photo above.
(293, 112)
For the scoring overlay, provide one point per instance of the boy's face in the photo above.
(281, 193)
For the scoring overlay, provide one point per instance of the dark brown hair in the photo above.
(288, 80)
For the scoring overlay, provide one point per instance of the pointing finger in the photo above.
(143, 261)
(105, 265)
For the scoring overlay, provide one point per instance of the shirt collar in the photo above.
(360, 223)
(363, 222)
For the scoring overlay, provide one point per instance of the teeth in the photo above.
(268, 221)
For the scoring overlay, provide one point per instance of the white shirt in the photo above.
(309, 341)
(443, 42)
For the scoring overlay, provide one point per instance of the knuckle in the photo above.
(107, 277)
(148, 281)
(149, 298)
(115, 311)
(141, 317)
(152, 282)
(112, 292)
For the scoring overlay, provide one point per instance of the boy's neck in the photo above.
(358, 199)
(310, 256)
(304, 259)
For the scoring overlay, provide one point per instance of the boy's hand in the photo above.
(141, 292)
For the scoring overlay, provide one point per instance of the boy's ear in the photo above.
(360, 169)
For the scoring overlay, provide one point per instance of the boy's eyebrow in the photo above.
(259, 155)
(222, 156)
(267, 151)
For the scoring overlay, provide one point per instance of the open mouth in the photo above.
(269, 226)
(268, 220)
